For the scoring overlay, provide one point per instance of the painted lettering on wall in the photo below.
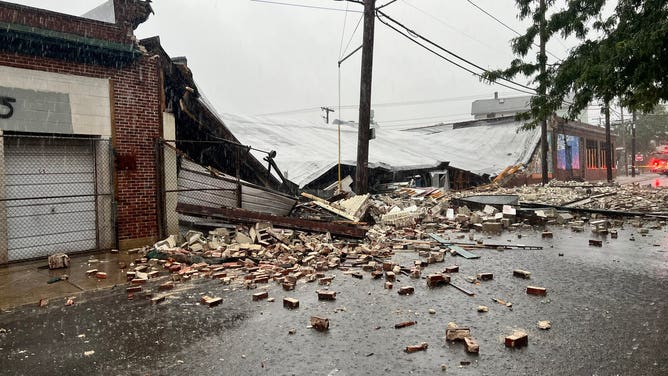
(6, 102)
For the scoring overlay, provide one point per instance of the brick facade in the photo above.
(136, 111)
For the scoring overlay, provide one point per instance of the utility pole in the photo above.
(633, 146)
(362, 171)
(622, 128)
(327, 111)
(608, 143)
(542, 61)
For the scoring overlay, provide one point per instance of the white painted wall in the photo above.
(88, 97)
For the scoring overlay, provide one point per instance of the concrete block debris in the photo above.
(544, 324)
(260, 295)
(456, 333)
(485, 276)
(435, 280)
(451, 269)
(406, 290)
(326, 295)
(59, 261)
(290, 303)
(319, 323)
(471, 345)
(517, 339)
(210, 301)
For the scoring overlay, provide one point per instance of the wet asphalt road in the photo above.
(607, 306)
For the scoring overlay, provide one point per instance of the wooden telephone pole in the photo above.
(327, 111)
(362, 171)
(542, 61)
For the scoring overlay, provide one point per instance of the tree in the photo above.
(569, 20)
(622, 55)
(626, 58)
(652, 129)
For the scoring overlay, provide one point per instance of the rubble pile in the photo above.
(420, 219)
(590, 195)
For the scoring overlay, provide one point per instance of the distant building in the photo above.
(576, 149)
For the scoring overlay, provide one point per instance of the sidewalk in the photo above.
(26, 282)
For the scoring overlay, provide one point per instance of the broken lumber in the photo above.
(247, 216)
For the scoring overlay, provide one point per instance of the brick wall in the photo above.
(48, 20)
(137, 123)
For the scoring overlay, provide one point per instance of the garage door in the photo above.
(50, 196)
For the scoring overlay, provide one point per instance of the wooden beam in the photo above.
(246, 216)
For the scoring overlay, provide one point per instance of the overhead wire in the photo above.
(419, 36)
(343, 32)
(351, 37)
(508, 27)
(532, 92)
(304, 6)
(447, 25)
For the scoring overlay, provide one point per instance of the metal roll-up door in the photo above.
(50, 196)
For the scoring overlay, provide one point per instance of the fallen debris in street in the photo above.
(456, 333)
(534, 290)
(517, 339)
(290, 303)
(404, 324)
(319, 323)
(544, 324)
(471, 345)
(415, 348)
(211, 301)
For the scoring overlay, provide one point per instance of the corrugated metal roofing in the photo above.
(307, 150)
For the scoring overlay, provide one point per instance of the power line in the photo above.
(343, 32)
(412, 32)
(351, 37)
(385, 104)
(304, 6)
(449, 60)
(444, 23)
(386, 4)
(506, 26)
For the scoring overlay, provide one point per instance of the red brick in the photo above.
(534, 290)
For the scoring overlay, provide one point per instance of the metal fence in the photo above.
(183, 180)
(56, 195)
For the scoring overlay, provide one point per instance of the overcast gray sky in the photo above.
(252, 57)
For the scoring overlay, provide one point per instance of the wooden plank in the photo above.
(336, 211)
(245, 216)
(462, 252)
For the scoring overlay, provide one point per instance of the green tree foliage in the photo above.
(627, 60)
(624, 55)
(652, 129)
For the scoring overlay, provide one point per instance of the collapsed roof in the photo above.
(306, 150)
